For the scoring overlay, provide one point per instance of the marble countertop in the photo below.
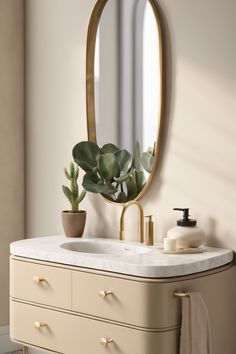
(136, 260)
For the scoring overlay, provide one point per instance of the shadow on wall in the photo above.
(197, 167)
(205, 38)
(101, 219)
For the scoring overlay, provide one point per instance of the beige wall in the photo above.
(11, 138)
(199, 160)
(55, 108)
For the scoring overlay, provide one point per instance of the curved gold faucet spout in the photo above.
(141, 220)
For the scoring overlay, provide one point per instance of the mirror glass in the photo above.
(127, 82)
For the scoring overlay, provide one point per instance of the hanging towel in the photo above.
(195, 330)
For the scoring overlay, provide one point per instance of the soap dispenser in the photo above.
(149, 231)
(186, 233)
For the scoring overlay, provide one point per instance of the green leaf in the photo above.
(151, 150)
(147, 161)
(131, 185)
(108, 166)
(124, 160)
(123, 176)
(92, 183)
(109, 149)
(140, 181)
(68, 193)
(76, 173)
(85, 154)
(137, 162)
(109, 197)
(121, 198)
(81, 196)
(72, 170)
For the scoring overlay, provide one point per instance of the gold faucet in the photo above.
(141, 220)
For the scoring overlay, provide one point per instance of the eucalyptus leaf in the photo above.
(147, 161)
(108, 167)
(151, 150)
(92, 183)
(109, 149)
(124, 160)
(140, 180)
(137, 153)
(123, 176)
(121, 198)
(85, 154)
(109, 197)
(132, 191)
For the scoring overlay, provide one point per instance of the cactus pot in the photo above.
(73, 222)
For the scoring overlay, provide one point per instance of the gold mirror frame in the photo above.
(90, 97)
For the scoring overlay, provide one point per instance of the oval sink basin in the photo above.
(99, 247)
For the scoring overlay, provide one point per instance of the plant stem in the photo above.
(74, 207)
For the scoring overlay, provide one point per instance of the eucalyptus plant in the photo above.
(111, 171)
(72, 193)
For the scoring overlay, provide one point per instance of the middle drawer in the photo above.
(139, 303)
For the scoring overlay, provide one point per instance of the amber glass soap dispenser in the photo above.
(186, 233)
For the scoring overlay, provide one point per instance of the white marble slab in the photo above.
(130, 259)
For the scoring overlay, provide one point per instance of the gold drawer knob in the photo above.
(105, 341)
(40, 324)
(105, 293)
(38, 279)
(181, 294)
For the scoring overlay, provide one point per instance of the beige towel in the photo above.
(195, 330)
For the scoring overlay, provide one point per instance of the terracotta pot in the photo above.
(73, 222)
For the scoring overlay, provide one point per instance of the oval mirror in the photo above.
(124, 91)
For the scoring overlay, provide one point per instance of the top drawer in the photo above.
(139, 303)
(41, 284)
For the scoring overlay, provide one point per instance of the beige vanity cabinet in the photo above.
(73, 310)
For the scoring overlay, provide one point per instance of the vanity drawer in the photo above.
(70, 334)
(41, 284)
(139, 303)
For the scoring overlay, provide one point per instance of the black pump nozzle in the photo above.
(185, 212)
(185, 221)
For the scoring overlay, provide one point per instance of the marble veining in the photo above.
(132, 259)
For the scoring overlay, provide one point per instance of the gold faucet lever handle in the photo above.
(105, 293)
(38, 279)
(105, 341)
(38, 324)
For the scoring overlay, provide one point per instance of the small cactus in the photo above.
(72, 193)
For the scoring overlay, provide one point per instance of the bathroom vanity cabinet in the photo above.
(75, 310)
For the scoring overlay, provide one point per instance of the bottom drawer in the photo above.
(71, 334)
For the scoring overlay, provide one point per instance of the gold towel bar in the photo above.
(181, 294)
